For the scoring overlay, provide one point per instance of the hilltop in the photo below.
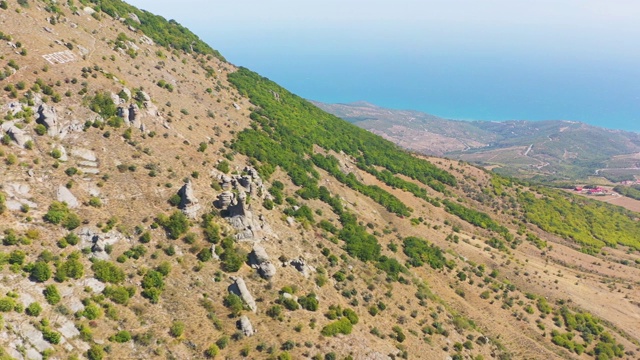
(157, 201)
(545, 151)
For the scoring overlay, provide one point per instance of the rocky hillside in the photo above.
(158, 202)
(545, 151)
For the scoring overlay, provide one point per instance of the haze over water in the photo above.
(462, 59)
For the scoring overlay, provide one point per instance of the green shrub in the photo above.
(145, 237)
(59, 213)
(121, 337)
(102, 104)
(289, 303)
(224, 166)
(419, 251)
(51, 336)
(7, 304)
(175, 225)
(223, 342)
(275, 312)
(51, 294)
(177, 329)
(92, 312)
(351, 316)
(153, 284)
(72, 268)
(309, 302)
(95, 202)
(72, 239)
(231, 257)
(210, 229)
(106, 271)
(118, 294)
(164, 268)
(34, 309)
(175, 200)
(40, 272)
(234, 303)
(3, 203)
(96, 352)
(212, 351)
(341, 326)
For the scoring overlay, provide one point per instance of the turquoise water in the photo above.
(489, 86)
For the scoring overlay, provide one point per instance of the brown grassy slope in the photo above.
(193, 292)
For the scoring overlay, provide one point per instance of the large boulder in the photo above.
(260, 260)
(98, 241)
(225, 199)
(239, 287)
(188, 202)
(134, 17)
(245, 326)
(134, 115)
(64, 195)
(48, 117)
(18, 135)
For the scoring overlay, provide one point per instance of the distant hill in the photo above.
(547, 150)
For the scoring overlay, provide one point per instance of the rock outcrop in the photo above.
(64, 195)
(19, 136)
(239, 288)
(300, 265)
(134, 116)
(188, 202)
(236, 209)
(99, 242)
(225, 199)
(18, 196)
(245, 326)
(48, 117)
(134, 17)
(259, 260)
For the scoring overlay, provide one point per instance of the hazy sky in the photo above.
(586, 27)
(467, 59)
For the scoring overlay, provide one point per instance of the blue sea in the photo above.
(469, 86)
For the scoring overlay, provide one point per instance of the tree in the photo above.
(34, 309)
(175, 225)
(106, 271)
(40, 272)
(51, 294)
(96, 352)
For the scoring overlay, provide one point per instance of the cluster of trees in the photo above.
(102, 104)
(590, 331)
(346, 318)
(628, 191)
(153, 282)
(167, 33)
(420, 252)
(475, 217)
(382, 197)
(591, 223)
(287, 127)
(59, 213)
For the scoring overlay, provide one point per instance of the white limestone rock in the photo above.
(239, 287)
(64, 195)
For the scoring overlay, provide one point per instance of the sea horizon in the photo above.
(582, 96)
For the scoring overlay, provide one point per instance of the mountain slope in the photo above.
(546, 150)
(158, 202)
